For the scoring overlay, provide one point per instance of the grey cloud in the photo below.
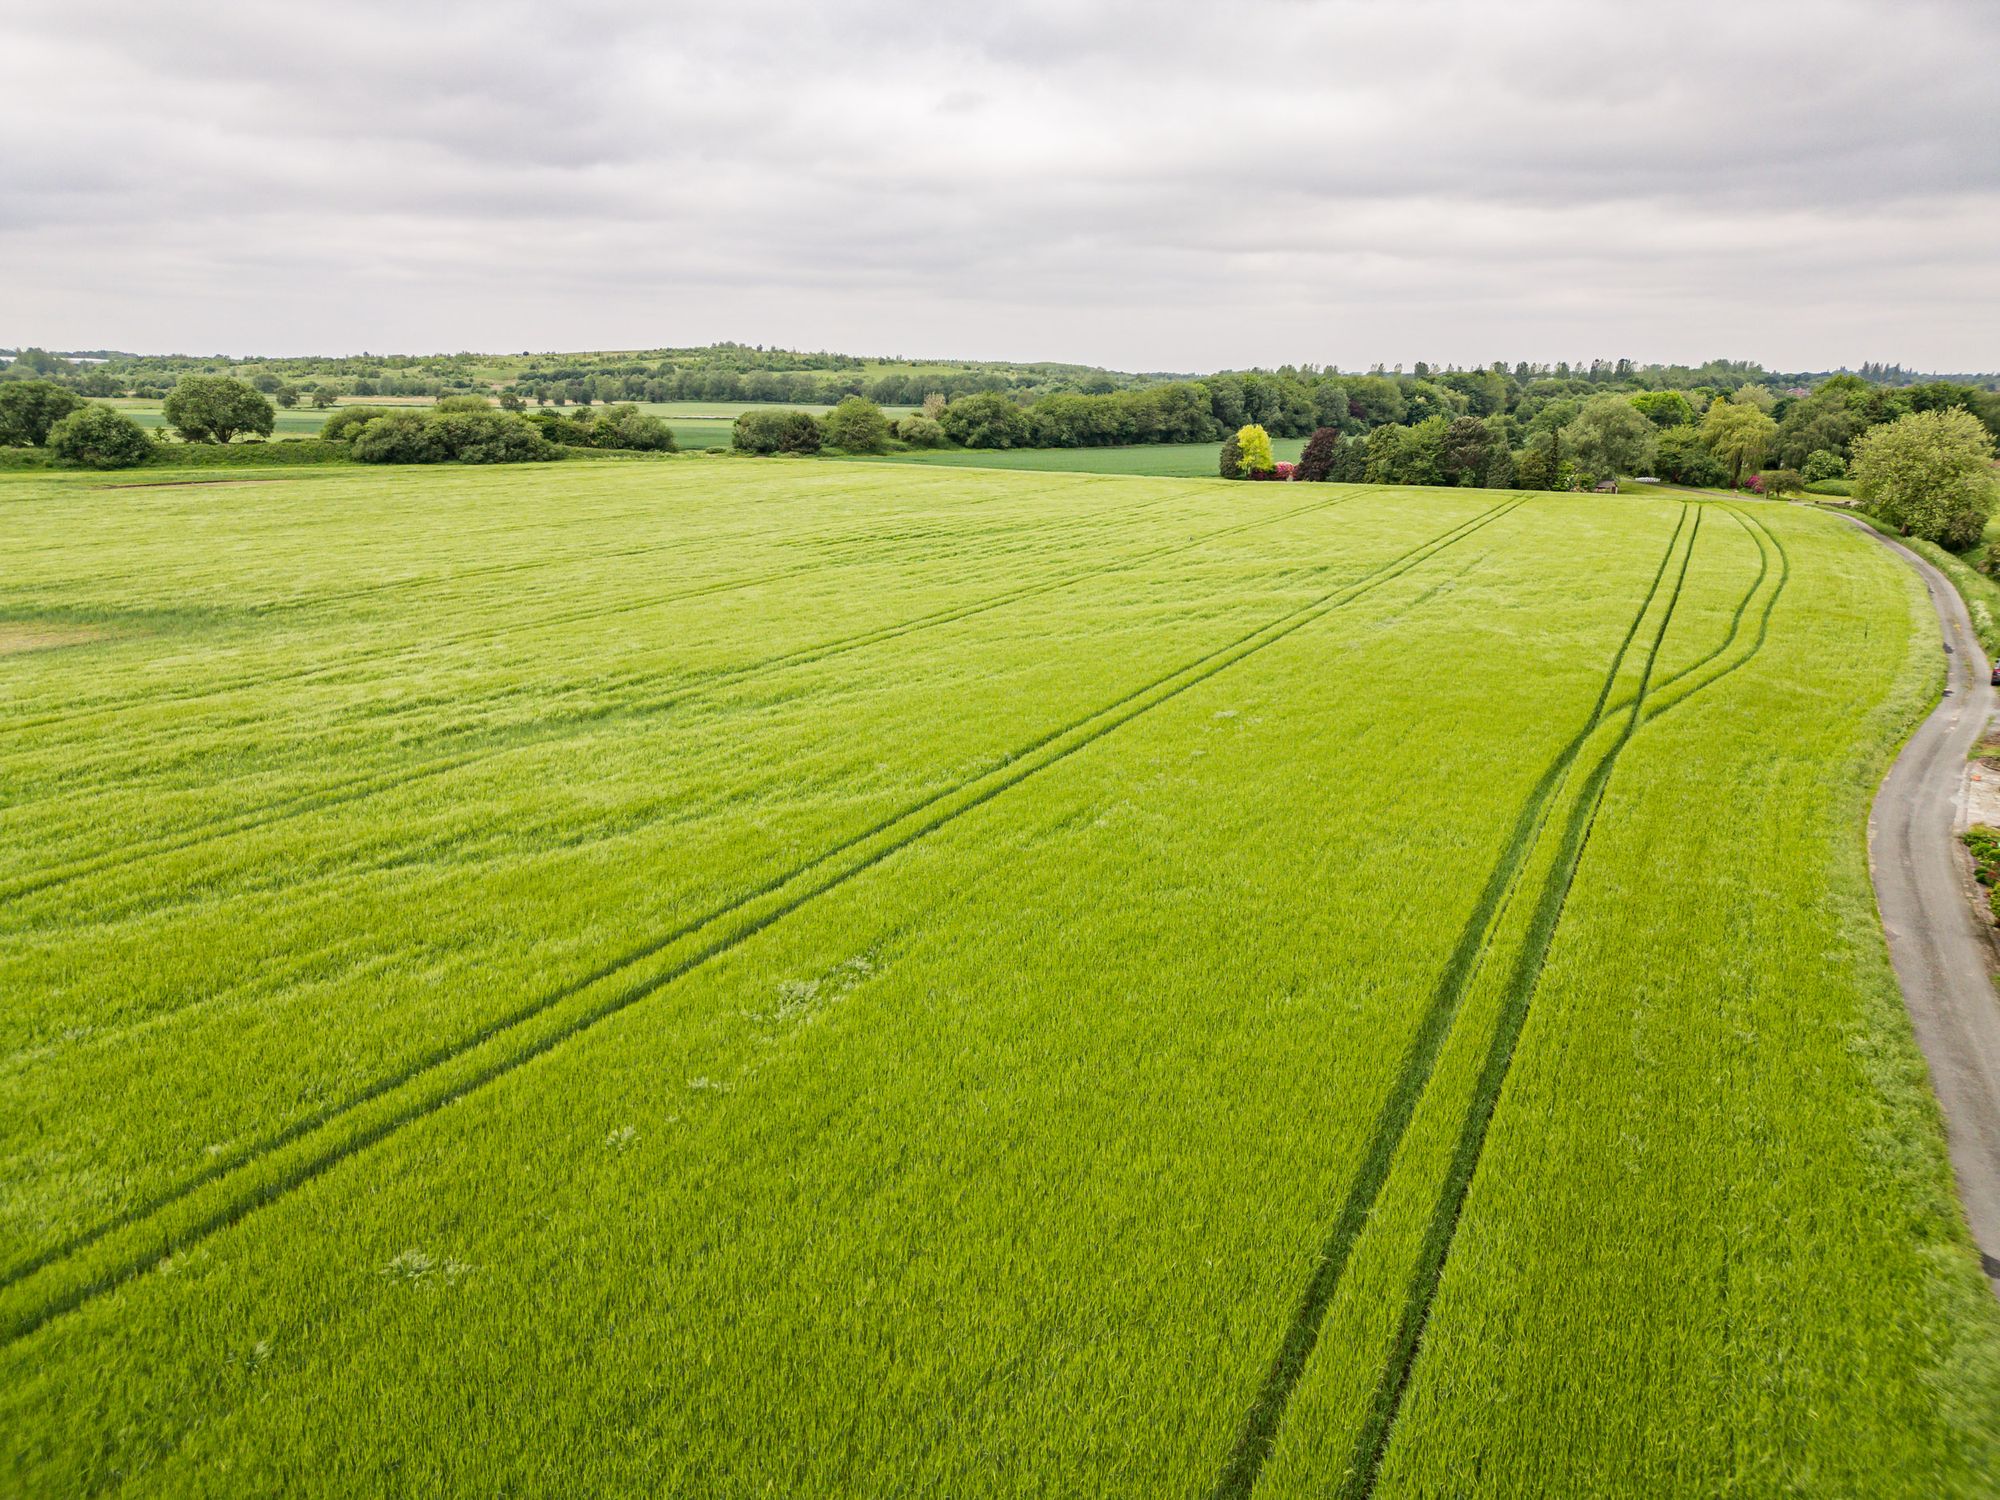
(1163, 186)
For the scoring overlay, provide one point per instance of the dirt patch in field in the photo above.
(19, 636)
(178, 484)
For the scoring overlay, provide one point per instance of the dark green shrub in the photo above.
(629, 428)
(30, 408)
(987, 420)
(401, 437)
(857, 425)
(776, 431)
(1230, 461)
(920, 431)
(462, 403)
(482, 436)
(348, 420)
(282, 454)
(97, 437)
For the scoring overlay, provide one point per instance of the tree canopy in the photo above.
(1929, 474)
(857, 425)
(1254, 444)
(215, 409)
(29, 408)
(98, 437)
(1739, 435)
(1610, 436)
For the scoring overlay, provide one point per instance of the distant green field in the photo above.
(1157, 460)
(727, 978)
(696, 424)
(298, 422)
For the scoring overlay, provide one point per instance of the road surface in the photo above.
(1943, 949)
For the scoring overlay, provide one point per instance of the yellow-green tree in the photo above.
(1738, 434)
(1254, 443)
(1929, 474)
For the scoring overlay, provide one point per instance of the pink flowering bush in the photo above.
(1285, 471)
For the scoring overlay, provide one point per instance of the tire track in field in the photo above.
(217, 1199)
(849, 549)
(357, 788)
(872, 638)
(1372, 1444)
(1368, 580)
(1255, 1438)
(1759, 534)
(1659, 706)
(866, 551)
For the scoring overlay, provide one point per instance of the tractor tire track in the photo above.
(358, 788)
(1372, 1444)
(1255, 1438)
(1660, 706)
(848, 550)
(136, 1241)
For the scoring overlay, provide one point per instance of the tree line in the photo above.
(214, 411)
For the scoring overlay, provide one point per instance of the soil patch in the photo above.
(17, 637)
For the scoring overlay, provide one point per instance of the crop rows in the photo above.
(966, 984)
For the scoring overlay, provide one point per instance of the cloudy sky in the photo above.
(1149, 186)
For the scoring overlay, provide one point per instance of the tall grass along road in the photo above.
(1943, 954)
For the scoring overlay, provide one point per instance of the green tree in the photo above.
(626, 427)
(348, 420)
(214, 409)
(323, 398)
(1466, 451)
(1739, 435)
(1929, 474)
(1229, 461)
(399, 437)
(286, 396)
(1609, 436)
(1823, 463)
(1683, 457)
(1317, 459)
(29, 408)
(857, 425)
(1535, 467)
(98, 437)
(985, 420)
(1254, 444)
(774, 430)
(920, 431)
(1664, 408)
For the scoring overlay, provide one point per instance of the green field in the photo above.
(727, 978)
(1156, 460)
(696, 424)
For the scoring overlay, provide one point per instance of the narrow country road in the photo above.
(1942, 950)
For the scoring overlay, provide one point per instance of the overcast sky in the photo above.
(1146, 186)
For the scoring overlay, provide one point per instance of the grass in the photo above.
(696, 424)
(723, 977)
(1976, 587)
(1157, 460)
